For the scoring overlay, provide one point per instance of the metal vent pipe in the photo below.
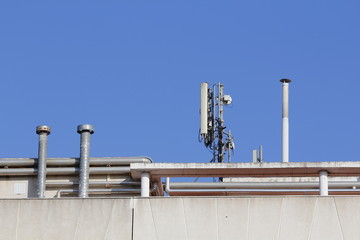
(285, 120)
(43, 131)
(85, 130)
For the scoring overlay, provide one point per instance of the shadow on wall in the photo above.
(31, 187)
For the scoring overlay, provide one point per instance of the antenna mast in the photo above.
(212, 129)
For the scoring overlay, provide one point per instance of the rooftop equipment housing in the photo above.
(212, 129)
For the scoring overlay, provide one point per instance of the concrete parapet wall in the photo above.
(65, 219)
(193, 218)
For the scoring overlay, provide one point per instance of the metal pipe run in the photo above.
(285, 120)
(99, 161)
(85, 131)
(262, 185)
(169, 190)
(113, 190)
(259, 190)
(106, 190)
(43, 132)
(92, 184)
(64, 171)
(167, 185)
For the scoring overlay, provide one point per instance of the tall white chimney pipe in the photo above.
(285, 120)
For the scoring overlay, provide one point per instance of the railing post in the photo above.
(145, 184)
(323, 183)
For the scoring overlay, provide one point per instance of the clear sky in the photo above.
(133, 69)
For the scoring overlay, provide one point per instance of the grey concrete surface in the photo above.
(173, 218)
(65, 219)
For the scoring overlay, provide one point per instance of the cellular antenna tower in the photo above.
(212, 129)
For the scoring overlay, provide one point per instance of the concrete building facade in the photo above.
(179, 218)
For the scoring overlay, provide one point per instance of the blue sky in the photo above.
(133, 69)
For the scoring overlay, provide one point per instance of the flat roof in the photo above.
(268, 169)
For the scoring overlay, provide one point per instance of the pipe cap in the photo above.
(85, 128)
(284, 80)
(43, 129)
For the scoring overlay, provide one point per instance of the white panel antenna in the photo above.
(204, 108)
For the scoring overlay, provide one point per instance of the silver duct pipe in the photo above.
(106, 190)
(258, 190)
(261, 185)
(93, 184)
(64, 171)
(285, 120)
(99, 161)
(43, 132)
(169, 190)
(85, 130)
